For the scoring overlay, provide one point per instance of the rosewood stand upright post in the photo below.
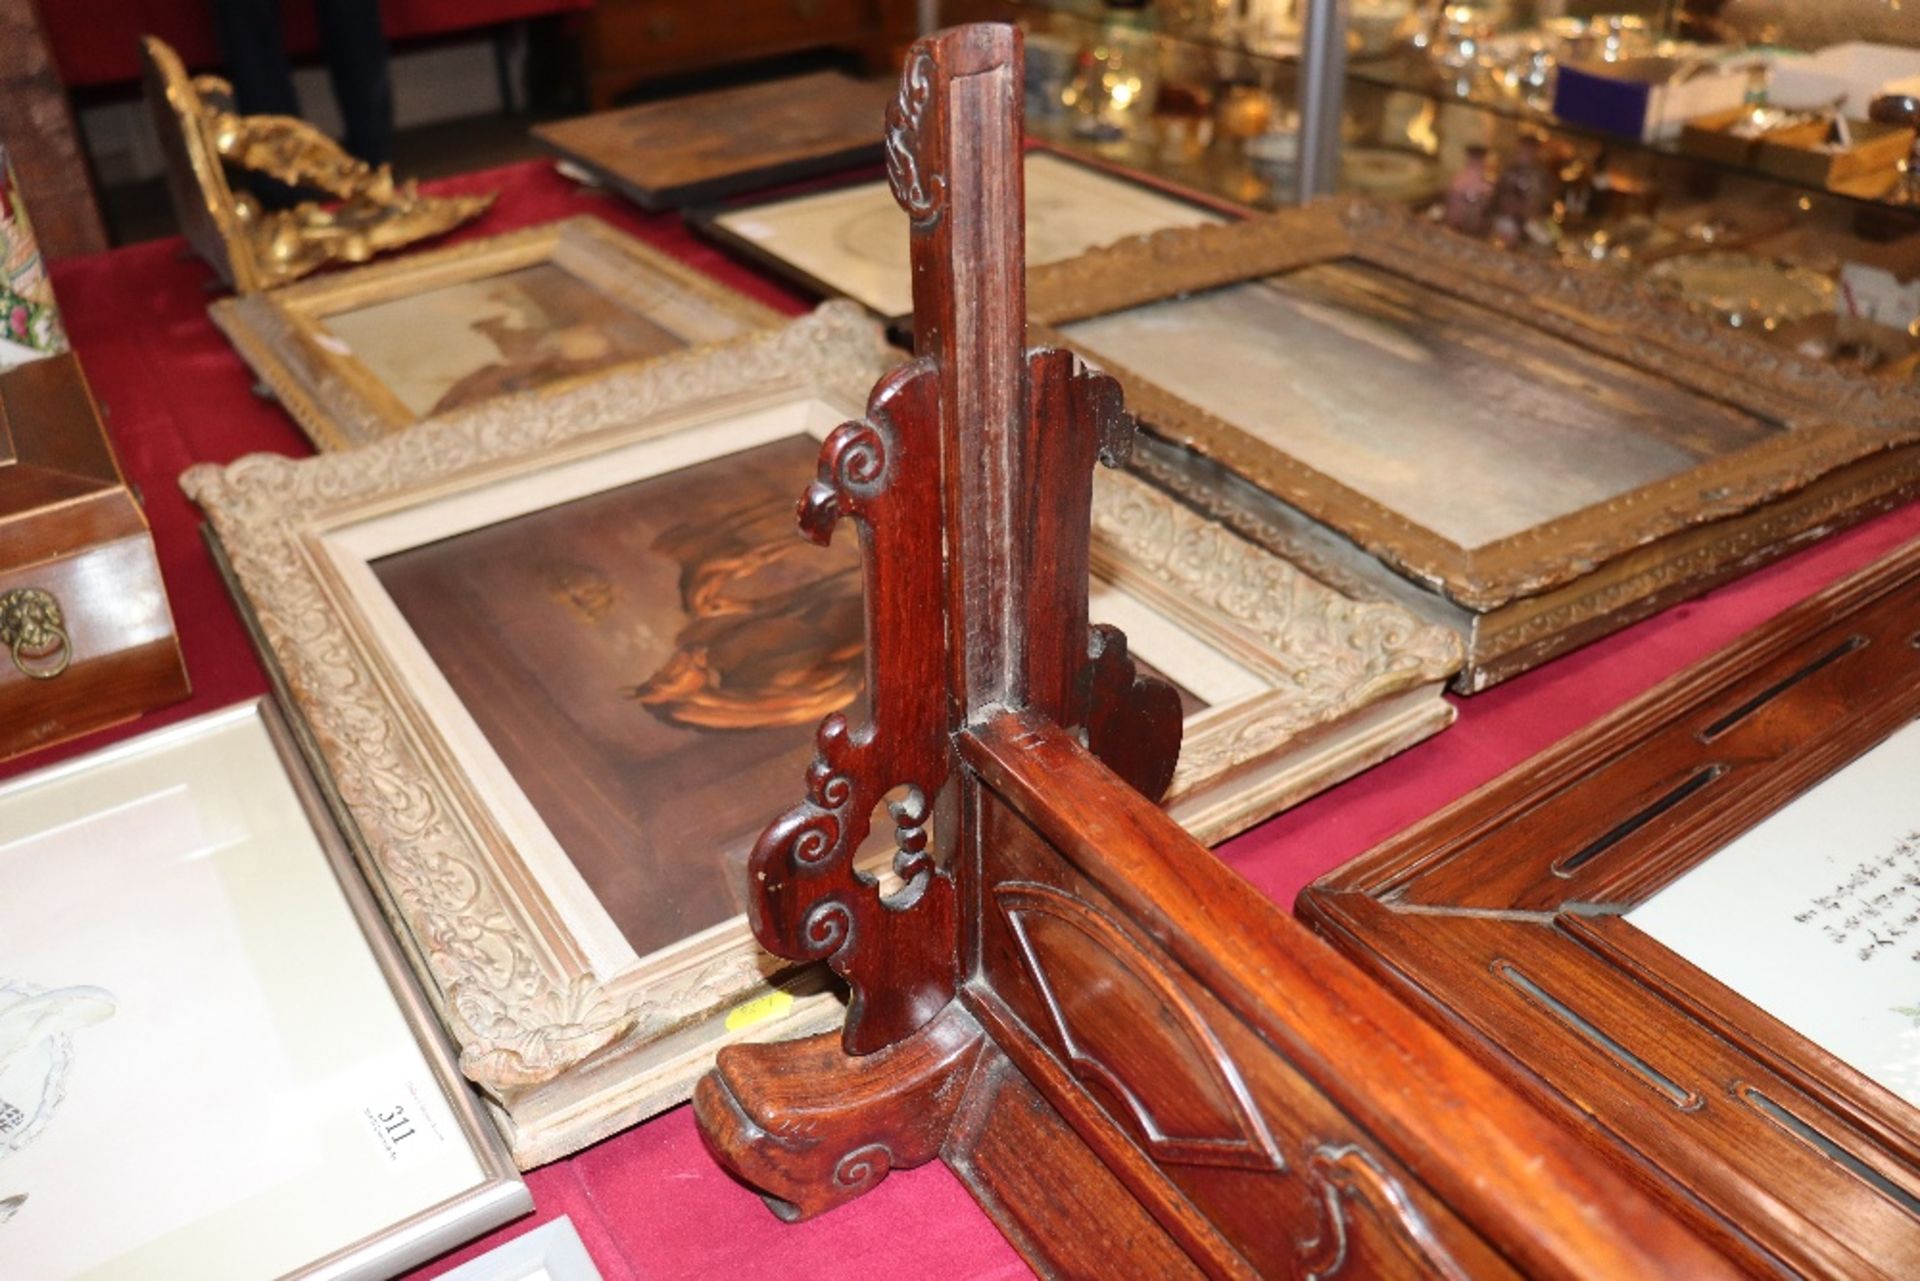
(1139, 1066)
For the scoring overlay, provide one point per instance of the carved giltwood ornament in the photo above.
(252, 248)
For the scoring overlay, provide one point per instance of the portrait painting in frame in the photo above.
(556, 652)
(356, 354)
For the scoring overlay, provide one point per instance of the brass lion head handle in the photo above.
(34, 632)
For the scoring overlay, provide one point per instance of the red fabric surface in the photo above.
(97, 42)
(650, 1203)
(1502, 727)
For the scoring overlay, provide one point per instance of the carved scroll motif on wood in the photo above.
(971, 482)
(922, 194)
(808, 901)
(1344, 1173)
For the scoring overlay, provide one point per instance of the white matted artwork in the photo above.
(853, 241)
(213, 1062)
(1814, 915)
(551, 1252)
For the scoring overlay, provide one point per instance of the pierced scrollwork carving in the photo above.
(1339, 1173)
(809, 901)
(920, 191)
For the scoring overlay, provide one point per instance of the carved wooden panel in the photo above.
(1507, 914)
(1083, 1001)
(971, 482)
(1119, 1018)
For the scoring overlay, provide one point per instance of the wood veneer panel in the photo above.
(1503, 916)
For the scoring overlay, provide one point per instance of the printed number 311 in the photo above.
(395, 1123)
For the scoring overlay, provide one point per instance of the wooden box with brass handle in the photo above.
(86, 638)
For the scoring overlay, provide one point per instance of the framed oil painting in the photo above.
(852, 243)
(213, 1060)
(357, 354)
(1692, 931)
(556, 654)
(1539, 457)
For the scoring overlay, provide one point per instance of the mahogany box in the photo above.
(86, 638)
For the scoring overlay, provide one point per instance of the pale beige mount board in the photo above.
(1532, 456)
(850, 242)
(486, 620)
(354, 355)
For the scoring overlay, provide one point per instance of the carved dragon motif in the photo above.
(921, 191)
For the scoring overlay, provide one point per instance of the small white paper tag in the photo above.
(403, 1125)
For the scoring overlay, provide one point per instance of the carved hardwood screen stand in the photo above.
(1139, 1066)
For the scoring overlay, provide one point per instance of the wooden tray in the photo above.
(665, 155)
(75, 553)
(1518, 918)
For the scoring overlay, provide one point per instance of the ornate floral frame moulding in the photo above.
(340, 403)
(567, 1057)
(1834, 421)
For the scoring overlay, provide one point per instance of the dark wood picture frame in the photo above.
(1504, 917)
(709, 146)
(1844, 447)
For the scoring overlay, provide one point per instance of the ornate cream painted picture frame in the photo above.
(355, 355)
(1320, 308)
(1292, 688)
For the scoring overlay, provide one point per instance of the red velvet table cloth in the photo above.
(649, 1203)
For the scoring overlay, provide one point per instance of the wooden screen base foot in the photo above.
(810, 1127)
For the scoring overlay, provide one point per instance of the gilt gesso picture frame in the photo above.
(850, 242)
(1536, 456)
(555, 653)
(355, 355)
(214, 1060)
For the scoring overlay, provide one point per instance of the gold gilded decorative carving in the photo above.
(254, 249)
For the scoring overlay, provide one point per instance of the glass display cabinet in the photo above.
(1755, 158)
